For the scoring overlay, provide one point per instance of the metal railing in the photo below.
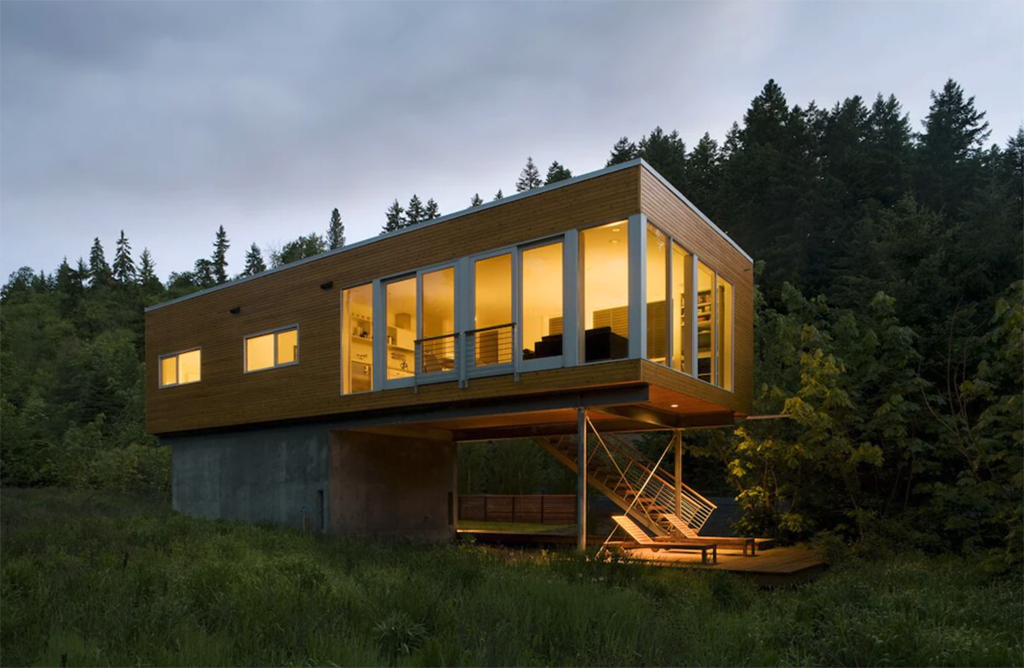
(461, 353)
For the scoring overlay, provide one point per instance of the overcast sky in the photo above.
(169, 119)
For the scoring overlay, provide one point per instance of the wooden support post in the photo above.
(581, 478)
(678, 438)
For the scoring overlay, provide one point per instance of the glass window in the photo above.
(357, 339)
(266, 351)
(180, 368)
(492, 311)
(680, 341)
(604, 253)
(705, 321)
(437, 349)
(401, 327)
(542, 301)
(724, 319)
(657, 308)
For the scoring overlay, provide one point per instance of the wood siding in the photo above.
(228, 397)
(670, 214)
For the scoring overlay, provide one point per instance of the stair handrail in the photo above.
(641, 457)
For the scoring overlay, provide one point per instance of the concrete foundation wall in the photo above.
(393, 486)
(252, 476)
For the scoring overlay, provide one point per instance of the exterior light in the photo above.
(327, 286)
(236, 310)
(675, 406)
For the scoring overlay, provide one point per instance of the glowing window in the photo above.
(604, 253)
(273, 349)
(542, 301)
(724, 320)
(357, 339)
(680, 340)
(706, 319)
(180, 368)
(492, 311)
(657, 306)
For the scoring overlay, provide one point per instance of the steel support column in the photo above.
(678, 438)
(581, 478)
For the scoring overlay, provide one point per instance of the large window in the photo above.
(657, 306)
(272, 349)
(357, 339)
(437, 348)
(680, 338)
(604, 255)
(400, 297)
(724, 320)
(180, 368)
(542, 301)
(705, 323)
(492, 342)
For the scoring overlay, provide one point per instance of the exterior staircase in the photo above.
(645, 491)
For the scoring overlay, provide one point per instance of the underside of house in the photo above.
(330, 394)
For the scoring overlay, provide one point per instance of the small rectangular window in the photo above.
(180, 368)
(273, 349)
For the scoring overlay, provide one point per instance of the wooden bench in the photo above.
(749, 545)
(639, 539)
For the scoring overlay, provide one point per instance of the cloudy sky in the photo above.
(167, 119)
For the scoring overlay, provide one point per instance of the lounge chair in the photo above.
(639, 539)
(749, 544)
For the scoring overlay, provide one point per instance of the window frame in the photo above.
(343, 348)
(542, 363)
(275, 332)
(635, 274)
(160, 367)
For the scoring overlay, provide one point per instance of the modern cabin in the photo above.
(330, 393)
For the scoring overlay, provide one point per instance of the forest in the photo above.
(889, 330)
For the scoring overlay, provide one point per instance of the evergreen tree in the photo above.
(476, 201)
(220, 259)
(414, 214)
(498, 195)
(888, 149)
(303, 247)
(335, 236)
(529, 178)
(147, 272)
(667, 154)
(557, 172)
(254, 263)
(205, 273)
(705, 175)
(99, 270)
(950, 146)
(395, 218)
(124, 266)
(623, 151)
(431, 210)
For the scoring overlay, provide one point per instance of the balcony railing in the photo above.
(467, 354)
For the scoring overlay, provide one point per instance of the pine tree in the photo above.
(303, 247)
(529, 178)
(254, 263)
(147, 272)
(888, 148)
(667, 154)
(99, 270)
(705, 175)
(335, 235)
(124, 266)
(476, 201)
(431, 210)
(395, 218)
(220, 260)
(498, 195)
(623, 151)
(414, 213)
(950, 146)
(205, 273)
(557, 172)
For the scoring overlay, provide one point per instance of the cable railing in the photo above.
(461, 354)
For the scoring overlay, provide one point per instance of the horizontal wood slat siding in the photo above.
(666, 211)
(226, 396)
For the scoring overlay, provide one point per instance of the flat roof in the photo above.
(464, 212)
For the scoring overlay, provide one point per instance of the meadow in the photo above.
(102, 579)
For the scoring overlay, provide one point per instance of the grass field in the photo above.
(104, 580)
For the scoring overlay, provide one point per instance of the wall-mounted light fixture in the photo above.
(236, 310)
(327, 286)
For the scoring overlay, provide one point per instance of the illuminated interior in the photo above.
(493, 309)
(657, 307)
(725, 310)
(357, 339)
(604, 253)
(400, 297)
(705, 323)
(438, 354)
(180, 369)
(274, 349)
(680, 343)
(542, 301)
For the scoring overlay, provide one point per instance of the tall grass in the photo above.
(99, 579)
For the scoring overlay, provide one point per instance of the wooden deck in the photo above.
(772, 567)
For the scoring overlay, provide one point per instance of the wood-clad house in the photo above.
(329, 393)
